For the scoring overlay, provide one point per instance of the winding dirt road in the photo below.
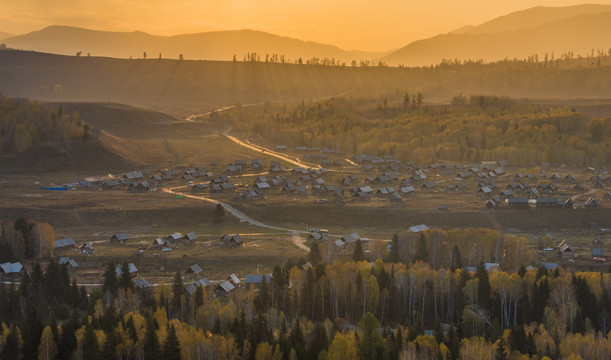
(295, 234)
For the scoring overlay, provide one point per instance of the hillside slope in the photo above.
(578, 34)
(120, 138)
(216, 45)
(185, 87)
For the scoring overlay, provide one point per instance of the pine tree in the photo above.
(219, 214)
(171, 346)
(358, 254)
(67, 340)
(199, 297)
(111, 283)
(395, 256)
(178, 291)
(10, 350)
(262, 299)
(314, 256)
(109, 349)
(90, 342)
(297, 341)
(318, 343)
(151, 341)
(501, 353)
(422, 254)
(517, 339)
(456, 258)
(522, 271)
(125, 281)
(131, 329)
(31, 335)
(483, 289)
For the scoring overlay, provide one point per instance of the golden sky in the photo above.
(371, 25)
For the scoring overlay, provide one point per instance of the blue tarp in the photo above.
(55, 188)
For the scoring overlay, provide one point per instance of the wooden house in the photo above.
(189, 238)
(232, 240)
(87, 248)
(119, 238)
(195, 271)
(254, 281)
(566, 251)
(224, 289)
(139, 186)
(64, 243)
(350, 238)
(10, 270)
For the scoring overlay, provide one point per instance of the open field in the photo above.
(259, 254)
(136, 139)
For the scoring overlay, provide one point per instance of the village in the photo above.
(332, 181)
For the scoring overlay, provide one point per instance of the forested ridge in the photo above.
(186, 87)
(389, 309)
(24, 123)
(471, 129)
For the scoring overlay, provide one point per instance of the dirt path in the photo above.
(295, 234)
(298, 242)
(574, 197)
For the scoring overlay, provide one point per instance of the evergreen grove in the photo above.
(343, 310)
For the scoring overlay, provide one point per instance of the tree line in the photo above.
(26, 239)
(471, 129)
(25, 123)
(308, 314)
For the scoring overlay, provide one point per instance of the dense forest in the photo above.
(357, 309)
(471, 129)
(24, 123)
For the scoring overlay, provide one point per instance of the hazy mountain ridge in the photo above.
(4, 35)
(519, 34)
(215, 45)
(532, 17)
(579, 34)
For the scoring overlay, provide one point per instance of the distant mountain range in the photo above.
(533, 17)
(215, 45)
(521, 34)
(4, 35)
(538, 30)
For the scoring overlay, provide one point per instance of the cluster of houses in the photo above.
(317, 236)
(232, 240)
(173, 240)
(223, 288)
(348, 239)
(84, 248)
(71, 264)
(241, 165)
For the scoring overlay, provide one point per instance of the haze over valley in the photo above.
(305, 180)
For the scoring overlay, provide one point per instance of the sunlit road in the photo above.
(261, 149)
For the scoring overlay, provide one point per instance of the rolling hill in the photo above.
(186, 87)
(215, 45)
(578, 34)
(4, 35)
